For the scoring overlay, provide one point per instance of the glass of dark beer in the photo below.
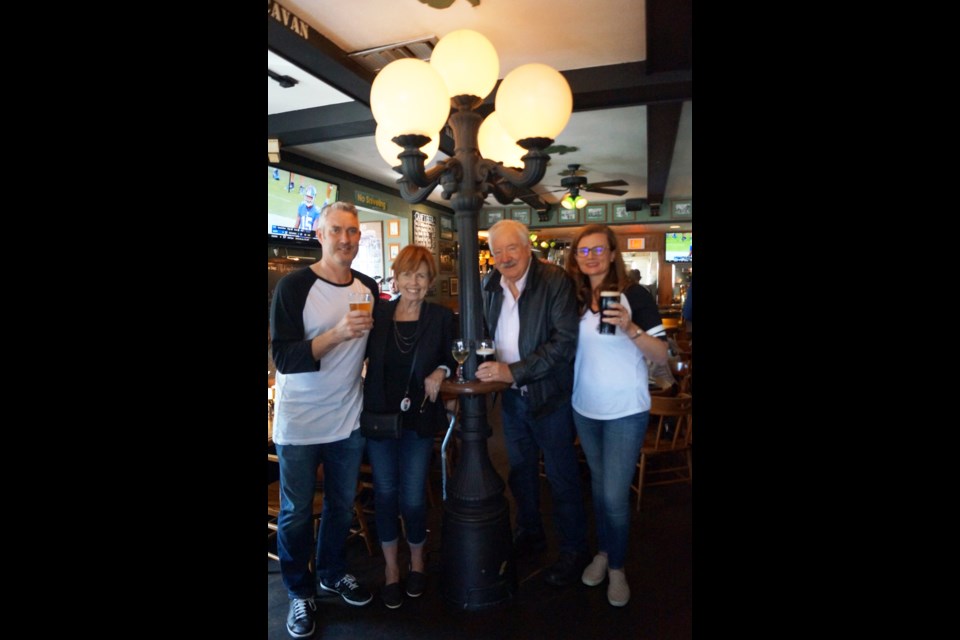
(486, 351)
(606, 299)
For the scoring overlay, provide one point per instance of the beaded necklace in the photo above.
(405, 344)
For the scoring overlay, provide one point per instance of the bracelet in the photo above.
(446, 370)
(638, 333)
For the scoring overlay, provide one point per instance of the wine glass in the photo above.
(461, 351)
(486, 350)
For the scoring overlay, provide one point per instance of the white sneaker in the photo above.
(596, 571)
(618, 593)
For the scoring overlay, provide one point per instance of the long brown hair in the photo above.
(615, 279)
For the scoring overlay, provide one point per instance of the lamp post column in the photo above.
(477, 564)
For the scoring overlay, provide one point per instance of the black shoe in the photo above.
(300, 623)
(567, 569)
(416, 583)
(349, 589)
(392, 595)
(527, 543)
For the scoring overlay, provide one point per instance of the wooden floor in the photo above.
(659, 571)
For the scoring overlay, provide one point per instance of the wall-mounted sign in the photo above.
(425, 231)
(494, 216)
(369, 201)
(568, 215)
(635, 244)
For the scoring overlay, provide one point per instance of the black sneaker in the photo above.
(300, 623)
(349, 589)
(392, 595)
(567, 569)
(416, 583)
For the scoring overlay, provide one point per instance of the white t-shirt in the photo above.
(323, 406)
(610, 378)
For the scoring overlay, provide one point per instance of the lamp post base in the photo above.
(478, 569)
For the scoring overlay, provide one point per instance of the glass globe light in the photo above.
(409, 96)
(467, 62)
(534, 101)
(497, 145)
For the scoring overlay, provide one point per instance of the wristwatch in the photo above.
(638, 333)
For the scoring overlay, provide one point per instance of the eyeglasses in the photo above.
(585, 251)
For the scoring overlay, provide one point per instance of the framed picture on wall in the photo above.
(446, 234)
(454, 287)
(446, 257)
(521, 215)
(568, 215)
(393, 229)
(446, 222)
(620, 213)
(682, 208)
(444, 288)
(595, 213)
(493, 216)
(394, 250)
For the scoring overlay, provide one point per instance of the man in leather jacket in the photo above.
(530, 310)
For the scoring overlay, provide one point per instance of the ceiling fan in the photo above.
(574, 182)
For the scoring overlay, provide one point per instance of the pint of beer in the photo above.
(606, 298)
(361, 302)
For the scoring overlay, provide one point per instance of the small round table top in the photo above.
(471, 387)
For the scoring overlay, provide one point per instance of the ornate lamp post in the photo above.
(411, 102)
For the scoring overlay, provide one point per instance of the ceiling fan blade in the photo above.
(608, 183)
(532, 199)
(609, 192)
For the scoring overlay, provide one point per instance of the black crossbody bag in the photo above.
(386, 426)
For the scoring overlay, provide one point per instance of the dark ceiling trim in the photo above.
(321, 58)
(663, 121)
(332, 122)
(669, 35)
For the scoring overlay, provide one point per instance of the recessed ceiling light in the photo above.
(674, 226)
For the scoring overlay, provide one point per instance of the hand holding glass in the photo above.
(461, 351)
(361, 301)
(606, 299)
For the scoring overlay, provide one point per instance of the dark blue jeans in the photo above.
(612, 448)
(553, 434)
(400, 469)
(298, 481)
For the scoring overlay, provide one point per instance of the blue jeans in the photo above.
(399, 485)
(612, 448)
(298, 481)
(553, 434)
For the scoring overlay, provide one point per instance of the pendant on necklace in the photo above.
(404, 404)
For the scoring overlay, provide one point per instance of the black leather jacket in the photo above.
(549, 327)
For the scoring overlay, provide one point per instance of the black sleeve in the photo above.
(644, 311)
(291, 351)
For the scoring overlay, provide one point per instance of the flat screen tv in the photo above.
(293, 205)
(679, 246)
